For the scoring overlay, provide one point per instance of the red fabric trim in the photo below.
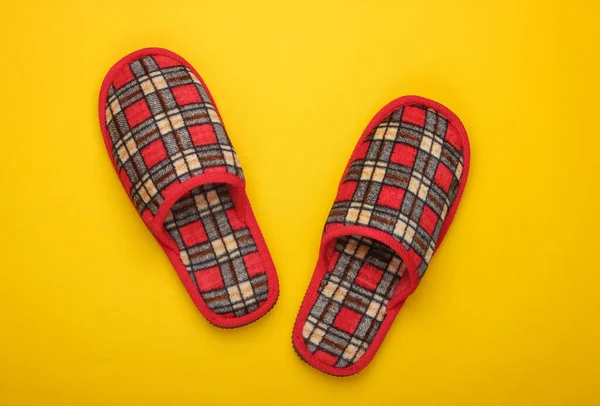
(338, 230)
(331, 234)
(237, 189)
(238, 194)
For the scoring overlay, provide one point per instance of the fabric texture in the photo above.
(402, 180)
(170, 148)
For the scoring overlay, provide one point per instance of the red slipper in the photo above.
(395, 202)
(170, 149)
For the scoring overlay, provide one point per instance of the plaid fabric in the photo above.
(403, 183)
(164, 130)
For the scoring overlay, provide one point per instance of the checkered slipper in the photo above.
(395, 202)
(172, 154)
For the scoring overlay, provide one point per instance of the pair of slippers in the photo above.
(396, 200)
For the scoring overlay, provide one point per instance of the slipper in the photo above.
(395, 202)
(172, 154)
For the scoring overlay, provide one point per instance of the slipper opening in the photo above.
(363, 275)
(218, 250)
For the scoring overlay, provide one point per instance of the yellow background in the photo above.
(91, 312)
